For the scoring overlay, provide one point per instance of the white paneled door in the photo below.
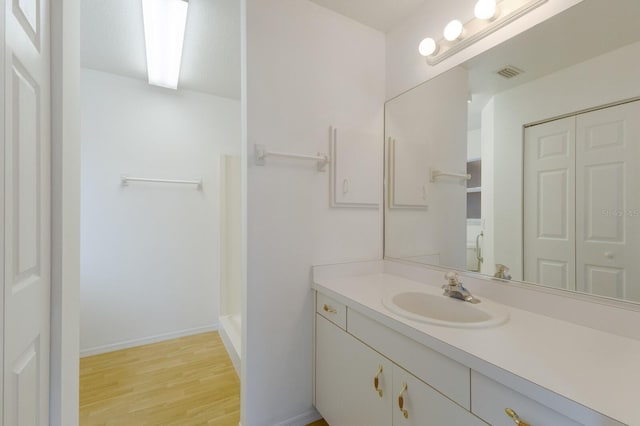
(607, 202)
(26, 212)
(549, 203)
(581, 204)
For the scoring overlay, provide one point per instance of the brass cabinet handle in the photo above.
(515, 417)
(376, 382)
(405, 413)
(329, 309)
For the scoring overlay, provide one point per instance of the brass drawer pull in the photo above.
(376, 382)
(405, 413)
(515, 417)
(329, 309)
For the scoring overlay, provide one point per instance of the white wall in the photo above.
(406, 68)
(474, 144)
(607, 78)
(433, 115)
(150, 252)
(307, 68)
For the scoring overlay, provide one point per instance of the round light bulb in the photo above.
(453, 30)
(485, 9)
(427, 47)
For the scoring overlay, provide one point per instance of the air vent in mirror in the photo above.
(509, 71)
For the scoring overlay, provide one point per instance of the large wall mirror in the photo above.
(525, 161)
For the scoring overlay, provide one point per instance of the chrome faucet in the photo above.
(455, 289)
(502, 272)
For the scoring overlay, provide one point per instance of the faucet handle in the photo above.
(452, 277)
(502, 271)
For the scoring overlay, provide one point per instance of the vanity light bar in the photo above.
(476, 29)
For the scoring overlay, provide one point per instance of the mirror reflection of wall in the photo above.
(426, 130)
(552, 149)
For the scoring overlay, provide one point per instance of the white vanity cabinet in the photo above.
(424, 406)
(347, 395)
(346, 370)
(491, 399)
(367, 373)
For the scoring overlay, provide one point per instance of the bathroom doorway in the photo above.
(160, 220)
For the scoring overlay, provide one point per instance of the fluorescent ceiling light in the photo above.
(164, 25)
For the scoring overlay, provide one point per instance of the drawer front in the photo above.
(417, 404)
(332, 310)
(449, 377)
(489, 399)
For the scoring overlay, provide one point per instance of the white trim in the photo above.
(2, 207)
(146, 340)
(302, 420)
(234, 352)
(65, 211)
(244, 140)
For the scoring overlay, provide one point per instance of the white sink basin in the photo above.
(446, 311)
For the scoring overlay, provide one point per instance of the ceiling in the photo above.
(113, 41)
(379, 14)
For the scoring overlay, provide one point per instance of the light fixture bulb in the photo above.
(453, 30)
(485, 9)
(428, 46)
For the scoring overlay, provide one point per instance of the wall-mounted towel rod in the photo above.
(261, 153)
(126, 179)
(437, 173)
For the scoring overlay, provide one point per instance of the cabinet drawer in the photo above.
(489, 399)
(448, 376)
(424, 406)
(332, 310)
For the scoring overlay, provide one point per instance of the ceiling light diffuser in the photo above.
(427, 47)
(453, 30)
(164, 26)
(485, 9)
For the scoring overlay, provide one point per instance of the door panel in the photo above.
(345, 372)
(549, 204)
(608, 207)
(26, 251)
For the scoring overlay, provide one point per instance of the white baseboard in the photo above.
(303, 419)
(231, 349)
(146, 340)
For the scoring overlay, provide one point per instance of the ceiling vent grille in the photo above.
(509, 71)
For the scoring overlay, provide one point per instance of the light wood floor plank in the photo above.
(180, 382)
(319, 423)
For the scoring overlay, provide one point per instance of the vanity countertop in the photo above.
(590, 367)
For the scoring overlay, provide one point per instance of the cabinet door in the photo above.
(424, 406)
(345, 373)
(356, 161)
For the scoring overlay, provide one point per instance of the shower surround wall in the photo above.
(149, 266)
